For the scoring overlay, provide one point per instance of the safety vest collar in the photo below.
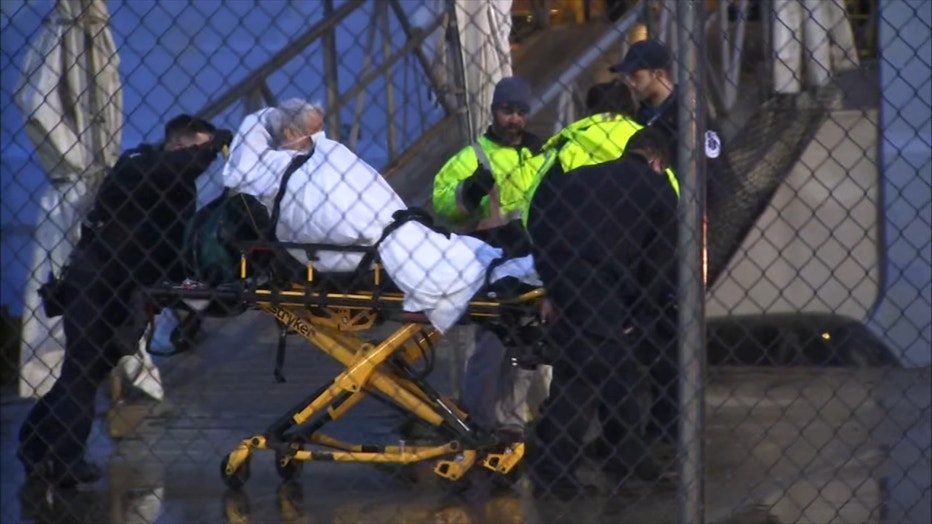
(528, 140)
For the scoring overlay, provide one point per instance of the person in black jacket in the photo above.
(646, 69)
(604, 244)
(131, 238)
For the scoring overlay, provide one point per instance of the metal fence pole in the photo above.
(331, 81)
(691, 170)
(458, 61)
(650, 21)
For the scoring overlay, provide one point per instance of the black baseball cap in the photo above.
(646, 54)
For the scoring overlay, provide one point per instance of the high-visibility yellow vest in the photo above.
(589, 141)
(509, 168)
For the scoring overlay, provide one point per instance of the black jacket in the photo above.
(665, 118)
(135, 230)
(604, 242)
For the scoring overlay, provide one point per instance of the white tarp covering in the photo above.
(336, 198)
(817, 32)
(70, 98)
(484, 27)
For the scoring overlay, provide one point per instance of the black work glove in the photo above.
(222, 138)
(476, 187)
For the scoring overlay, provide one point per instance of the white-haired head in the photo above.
(293, 122)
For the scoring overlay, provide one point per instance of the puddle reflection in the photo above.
(40, 503)
(137, 494)
(435, 508)
(289, 501)
(131, 495)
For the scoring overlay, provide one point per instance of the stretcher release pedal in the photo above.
(504, 462)
(455, 468)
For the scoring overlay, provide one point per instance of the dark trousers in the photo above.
(591, 377)
(659, 353)
(100, 328)
(487, 379)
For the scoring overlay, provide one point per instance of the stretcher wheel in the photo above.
(291, 469)
(238, 478)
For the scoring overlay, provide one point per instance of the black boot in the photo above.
(565, 488)
(80, 472)
(35, 503)
(551, 480)
(642, 466)
(35, 467)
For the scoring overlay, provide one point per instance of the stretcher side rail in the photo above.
(235, 298)
(282, 280)
(275, 262)
(310, 247)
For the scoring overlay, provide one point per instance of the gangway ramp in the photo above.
(815, 247)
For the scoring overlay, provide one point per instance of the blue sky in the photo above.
(176, 56)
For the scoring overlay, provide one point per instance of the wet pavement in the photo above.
(783, 445)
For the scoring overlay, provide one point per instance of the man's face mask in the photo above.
(296, 140)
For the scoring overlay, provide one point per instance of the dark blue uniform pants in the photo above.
(661, 358)
(591, 377)
(98, 328)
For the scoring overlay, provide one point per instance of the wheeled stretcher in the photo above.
(331, 311)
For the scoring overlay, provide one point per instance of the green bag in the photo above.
(209, 251)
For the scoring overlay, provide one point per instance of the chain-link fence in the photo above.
(467, 260)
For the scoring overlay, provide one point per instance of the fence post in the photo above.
(331, 79)
(691, 299)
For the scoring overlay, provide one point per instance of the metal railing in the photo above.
(255, 92)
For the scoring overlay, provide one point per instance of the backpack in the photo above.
(209, 251)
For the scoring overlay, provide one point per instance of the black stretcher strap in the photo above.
(293, 166)
(399, 218)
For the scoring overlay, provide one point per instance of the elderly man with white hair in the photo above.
(337, 198)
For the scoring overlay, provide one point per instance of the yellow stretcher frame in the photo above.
(331, 322)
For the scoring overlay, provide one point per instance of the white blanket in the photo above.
(337, 198)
